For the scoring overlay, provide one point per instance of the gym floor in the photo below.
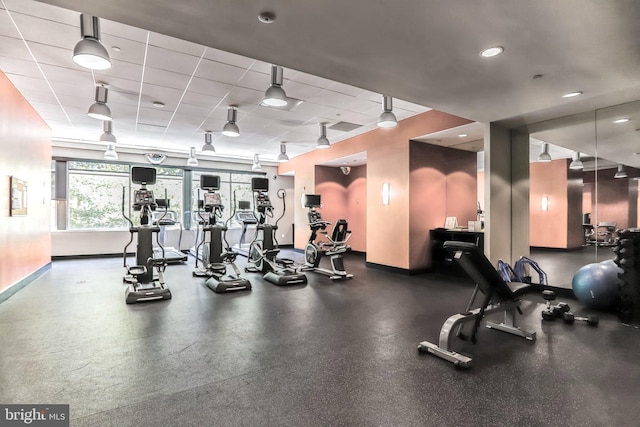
(328, 353)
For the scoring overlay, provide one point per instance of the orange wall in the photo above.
(344, 197)
(387, 161)
(442, 184)
(616, 197)
(25, 144)
(561, 225)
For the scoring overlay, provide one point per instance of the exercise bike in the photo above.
(144, 284)
(263, 250)
(215, 258)
(334, 247)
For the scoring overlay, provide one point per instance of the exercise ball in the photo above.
(596, 285)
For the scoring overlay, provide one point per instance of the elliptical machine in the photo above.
(264, 248)
(215, 257)
(144, 285)
(334, 247)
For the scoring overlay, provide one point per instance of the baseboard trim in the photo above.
(388, 268)
(9, 292)
(63, 257)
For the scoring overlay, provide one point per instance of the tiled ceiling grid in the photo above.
(195, 83)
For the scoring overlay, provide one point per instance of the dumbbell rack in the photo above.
(627, 250)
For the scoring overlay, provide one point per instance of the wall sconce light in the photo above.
(386, 192)
(544, 203)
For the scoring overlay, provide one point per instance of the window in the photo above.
(95, 195)
(232, 185)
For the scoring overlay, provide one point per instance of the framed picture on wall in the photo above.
(18, 189)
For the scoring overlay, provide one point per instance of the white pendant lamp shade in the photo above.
(108, 135)
(111, 154)
(544, 153)
(231, 128)
(208, 142)
(323, 142)
(387, 119)
(282, 157)
(576, 163)
(192, 161)
(89, 52)
(99, 109)
(256, 163)
(275, 96)
(622, 173)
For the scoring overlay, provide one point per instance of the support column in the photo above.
(506, 189)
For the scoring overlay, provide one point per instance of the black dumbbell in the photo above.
(556, 311)
(547, 313)
(570, 318)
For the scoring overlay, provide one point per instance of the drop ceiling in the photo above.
(338, 57)
(196, 84)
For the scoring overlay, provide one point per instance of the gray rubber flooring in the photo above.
(328, 353)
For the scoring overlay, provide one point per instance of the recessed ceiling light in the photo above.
(267, 17)
(621, 120)
(116, 48)
(572, 94)
(158, 104)
(492, 51)
(462, 135)
(636, 154)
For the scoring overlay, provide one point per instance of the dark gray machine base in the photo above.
(285, 279)
(147, 292)
(223, 284)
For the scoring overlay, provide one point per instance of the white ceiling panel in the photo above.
(209, 87)
(13, 48)
(219, 72)
(171, 60)
(45, 31)
(166, 78)
(19, 67)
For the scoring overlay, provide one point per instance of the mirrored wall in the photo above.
(584, 174)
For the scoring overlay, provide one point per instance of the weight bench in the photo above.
(498, 296)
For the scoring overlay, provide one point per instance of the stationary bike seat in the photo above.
(284, 261)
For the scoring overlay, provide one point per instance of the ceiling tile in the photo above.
(170, 60)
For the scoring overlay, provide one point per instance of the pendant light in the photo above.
(387, 119)
(99, 109)
(108, 135)
(192, 161)
(111, 154)
(231, 128)
(544, 153)
(208, 142)
(256, 163)
(576, 163)
(275, 95)
(622, 173)
(89, 52)
(323, 142)
(282, 157)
